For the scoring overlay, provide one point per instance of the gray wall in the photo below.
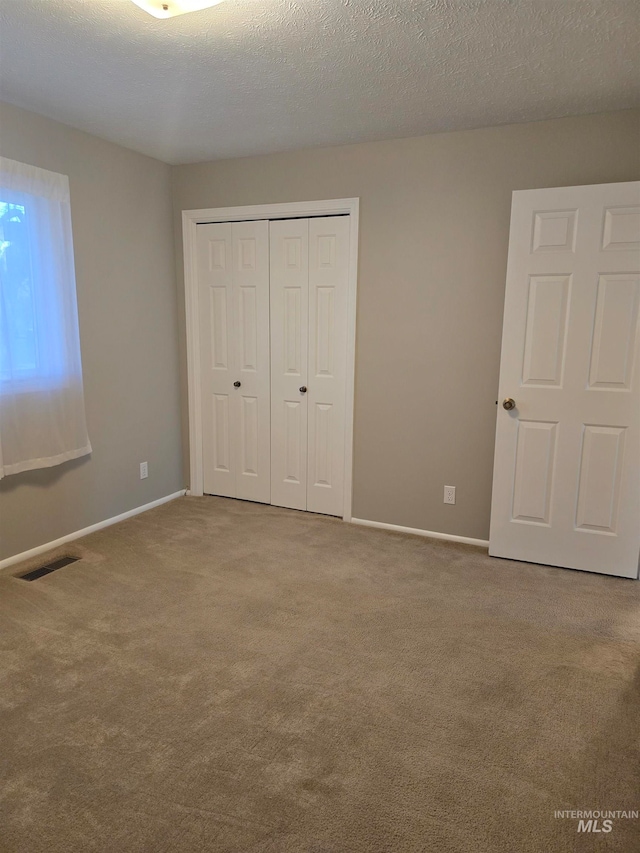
(433, 250)
(123, 240)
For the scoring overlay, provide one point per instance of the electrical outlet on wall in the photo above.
(449, 494)
(144, 470)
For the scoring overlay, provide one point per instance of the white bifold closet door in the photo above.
(273, 345)
(309, 277)
(233, 281)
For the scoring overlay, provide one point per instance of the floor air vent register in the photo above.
(34, 574)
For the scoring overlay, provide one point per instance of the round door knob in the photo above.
(237, 384)
(303, 389)
(508, 404)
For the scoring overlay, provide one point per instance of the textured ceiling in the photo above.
(253, 76)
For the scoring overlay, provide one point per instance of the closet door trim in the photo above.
(190, 221)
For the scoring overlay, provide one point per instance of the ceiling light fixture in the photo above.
(170, 8)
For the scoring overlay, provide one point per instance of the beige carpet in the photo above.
(222, 676)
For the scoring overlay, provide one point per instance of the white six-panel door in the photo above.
(233, 282)
(309, 279)
(566, 488)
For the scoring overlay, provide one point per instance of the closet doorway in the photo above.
(270, 307)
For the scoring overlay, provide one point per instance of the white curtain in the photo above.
(42, 416)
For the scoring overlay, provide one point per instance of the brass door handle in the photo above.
(508, 404)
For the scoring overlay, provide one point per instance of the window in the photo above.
(19, 347)
(42, 418)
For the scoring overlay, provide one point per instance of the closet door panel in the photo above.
(289, 260)
(328, 281)
(215, 286)
(273, 329)
(251, 403)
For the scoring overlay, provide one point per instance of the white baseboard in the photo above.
(49, 546)
(430, 534)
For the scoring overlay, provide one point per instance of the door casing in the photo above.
(190, 221)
